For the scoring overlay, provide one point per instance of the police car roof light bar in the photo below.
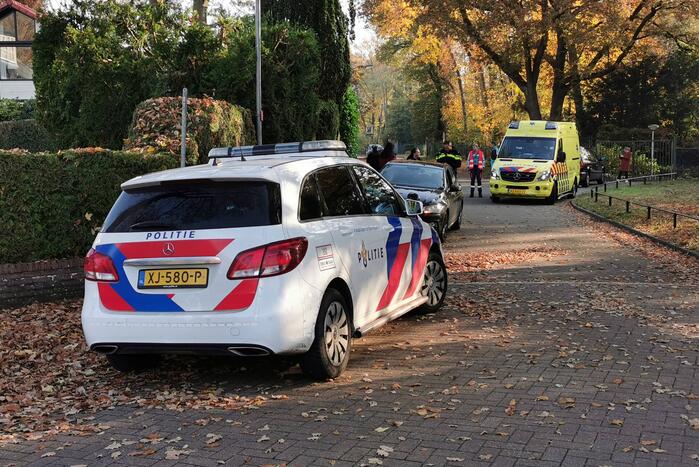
(243, 152)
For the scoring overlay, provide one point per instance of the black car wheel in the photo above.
(457, 224)
(585, 179)
(553, 197)
(443, 227)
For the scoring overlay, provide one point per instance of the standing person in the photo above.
(475, 166)
(414, 154)
(373, 158)
(625, 162)
(387, 155)
(493, 154)
(449, 155)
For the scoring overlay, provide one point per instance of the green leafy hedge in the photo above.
(12, 109)
(156, 127)
(25, 134)
(349, 122)
(51, 204)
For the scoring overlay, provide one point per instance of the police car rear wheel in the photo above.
(434, 285)
(329, 353)
(133, 363)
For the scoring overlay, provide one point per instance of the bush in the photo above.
(95, 61)
(328, 120)
(11, 109)
(349, 122)
(52, 204)
(156, 127)
(290, 79)
(640, 163)
(25, 134)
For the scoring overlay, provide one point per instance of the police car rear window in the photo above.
(196, 205)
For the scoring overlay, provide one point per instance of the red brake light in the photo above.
(99, 267)
(247, 264)
(269, 260)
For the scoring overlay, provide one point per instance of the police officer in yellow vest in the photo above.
(449, 155)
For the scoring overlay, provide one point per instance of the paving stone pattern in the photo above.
(587, 358)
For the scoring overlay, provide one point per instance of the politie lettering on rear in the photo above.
(173, 235)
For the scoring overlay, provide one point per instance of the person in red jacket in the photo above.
(476, 160)
(625, 162)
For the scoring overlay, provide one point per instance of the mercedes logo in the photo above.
(169, 249)
(516, 176)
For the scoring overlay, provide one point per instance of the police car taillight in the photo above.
(269, 260)
(99, 267)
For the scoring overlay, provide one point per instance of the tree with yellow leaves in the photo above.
(573, 41)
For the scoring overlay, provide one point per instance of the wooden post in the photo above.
(674, 220)
(610, 200)
(648, 215)
(627, 206)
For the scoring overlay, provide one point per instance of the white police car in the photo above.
(277, 249)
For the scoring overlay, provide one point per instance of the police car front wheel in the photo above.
(329, 353)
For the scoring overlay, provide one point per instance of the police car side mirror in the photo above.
(454, 188)
(561, 157)
(413, 207)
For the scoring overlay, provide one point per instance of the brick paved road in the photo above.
(587, 356)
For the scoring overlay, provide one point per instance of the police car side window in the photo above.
(339, 192)
(379, 195)
(310, 205)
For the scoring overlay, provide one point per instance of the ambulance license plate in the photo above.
(173, 278)
(516, 190)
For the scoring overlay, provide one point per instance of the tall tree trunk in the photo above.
(582, 118)
(200, 8)
(481, 87)
(560, 86)
(462, 94)
(531, 100)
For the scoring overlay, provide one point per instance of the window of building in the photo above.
(16, 34)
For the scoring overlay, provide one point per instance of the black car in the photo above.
(591, 168)
(433, 184)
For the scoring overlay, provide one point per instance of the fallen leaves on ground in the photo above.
(49, 381)
(459, 262)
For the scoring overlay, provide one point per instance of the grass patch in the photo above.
(679, 195)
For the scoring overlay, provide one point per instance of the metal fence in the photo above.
(595, 195)
(687, 159)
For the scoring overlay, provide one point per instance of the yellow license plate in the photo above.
(516, 190)
(173, 278)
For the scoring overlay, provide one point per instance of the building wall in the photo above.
(17, 90)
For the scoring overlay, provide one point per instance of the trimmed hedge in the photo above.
(12, 109)
(156, 127)
(52, 204)
(26, 134)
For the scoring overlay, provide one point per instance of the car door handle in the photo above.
(346, 232)
(388, 228)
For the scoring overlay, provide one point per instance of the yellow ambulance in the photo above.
(537, 159)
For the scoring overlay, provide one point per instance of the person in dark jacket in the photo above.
(387, 155)
(414, 154)
(373, 158)
(449, 155)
